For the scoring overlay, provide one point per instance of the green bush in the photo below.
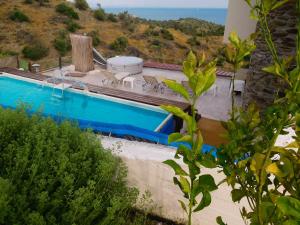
(7, 53)
(72, 26)
(62, 43)
(67, 11)
(193, 41)
(35, 51)
(18, 16)
(120, 44)
(156, 44)
(152, 31)
(95, 37)
(81, 4)
(111, 17)
(28, 1)
(57, 174)
(166, 34)
(99, 14)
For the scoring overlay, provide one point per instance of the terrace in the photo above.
(144, 159)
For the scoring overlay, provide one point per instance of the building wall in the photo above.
(238, 19)
(261, 87)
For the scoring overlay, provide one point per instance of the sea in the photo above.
(215, 15)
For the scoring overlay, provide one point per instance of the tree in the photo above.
(81, 4)
(257, 169)
(192, 182)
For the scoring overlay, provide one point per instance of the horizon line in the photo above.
(163, 7)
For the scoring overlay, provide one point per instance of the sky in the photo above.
(162, 3)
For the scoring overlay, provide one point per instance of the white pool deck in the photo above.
(210, 106)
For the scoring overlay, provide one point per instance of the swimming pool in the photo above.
(101, 113)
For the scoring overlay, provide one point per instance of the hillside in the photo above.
(167, 41)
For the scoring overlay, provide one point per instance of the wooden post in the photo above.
(82, 53)
(18, 62)
(59, 62)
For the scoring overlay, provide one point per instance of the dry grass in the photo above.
(44, 27)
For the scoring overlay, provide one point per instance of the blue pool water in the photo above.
(77, 106)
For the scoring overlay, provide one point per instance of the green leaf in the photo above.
(253, 14)
(289, 206)
(189, 65)
(191, 125)
(207, 183)
(266, 210)
(177, 169)
(234, 39)
(237, 195)
(205, 78)
(205, 201)
(177, 182)
(279, 4)
(185, 152)
(199, 142)
(291, 222)
(220, 221)
(183, 206)
(208, 161)
(178, 88)
(256, 165)
(282, 168)
(177, 137)
(174, 137)
(273, 168)
(185, 184)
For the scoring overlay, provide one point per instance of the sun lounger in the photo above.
(110, 79)
(151, 82)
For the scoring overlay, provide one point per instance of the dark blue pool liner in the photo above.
(121, 130)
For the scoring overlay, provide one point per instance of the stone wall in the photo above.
(262, 87)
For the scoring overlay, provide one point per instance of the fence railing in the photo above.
(45, 64)
(9, 61)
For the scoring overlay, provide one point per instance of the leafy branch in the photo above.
(192, 183)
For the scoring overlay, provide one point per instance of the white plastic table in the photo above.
(129, 80)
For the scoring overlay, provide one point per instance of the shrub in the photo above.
(152, 31)
(166, 34)
(111, 17)
(193, 41)
(81, 4)
(35, 51)
(123, 15)
(95, 37)
(72, 26)
(57, 174)
(6, 53)
(99, 14)
(28, 1)
(67, 11)
(18, 16)
(62, 43)
(156, 43)
(120, 44)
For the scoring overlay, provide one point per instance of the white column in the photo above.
(238, 19)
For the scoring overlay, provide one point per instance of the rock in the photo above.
(261, 87)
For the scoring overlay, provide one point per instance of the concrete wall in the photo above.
(238, 19)
(147, 172)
